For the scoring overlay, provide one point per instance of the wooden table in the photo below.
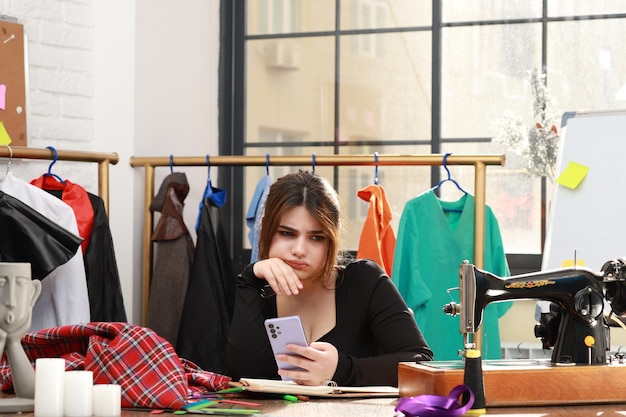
(523, 385)
(384, 407)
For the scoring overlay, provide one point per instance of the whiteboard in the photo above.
(588, 223)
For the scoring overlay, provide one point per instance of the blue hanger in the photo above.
(215, 196)
(445, 165)
(376, 169)
(313, 162)
(55, 157)
(171, 164)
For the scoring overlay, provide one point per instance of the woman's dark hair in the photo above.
(303, 188)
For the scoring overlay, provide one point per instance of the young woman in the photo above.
(356, 322)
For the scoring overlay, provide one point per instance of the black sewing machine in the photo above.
(575, 328)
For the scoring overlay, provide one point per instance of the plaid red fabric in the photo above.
(144, 364)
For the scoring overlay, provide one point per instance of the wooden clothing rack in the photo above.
(149, 163)
(102, 159)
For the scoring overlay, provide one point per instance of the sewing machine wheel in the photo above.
(589, 304)
(614, 272)
(548, 327)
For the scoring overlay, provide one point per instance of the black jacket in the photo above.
(106, 302)
(28, 236)
(210, 296)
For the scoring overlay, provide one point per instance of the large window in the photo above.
(412, 77)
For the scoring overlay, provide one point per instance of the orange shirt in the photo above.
(378, 240)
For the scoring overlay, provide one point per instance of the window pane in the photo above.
(290, 90)
(289, 16)
(484, 73)
(513, 196)
(385, 89)
(477, 10)
(586, 64)
(378, 14)
(584, 7)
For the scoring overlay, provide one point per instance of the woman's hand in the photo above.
(317, 363)
(280, 276)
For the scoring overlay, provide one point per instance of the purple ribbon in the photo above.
(436, 405)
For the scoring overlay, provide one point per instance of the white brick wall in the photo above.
(60, 110)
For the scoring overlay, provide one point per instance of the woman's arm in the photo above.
(248, 353)
(393, 329)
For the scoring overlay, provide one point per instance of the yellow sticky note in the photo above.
(5, 139)
(570, 262)
(573, 175)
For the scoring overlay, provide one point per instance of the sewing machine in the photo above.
(575, 328)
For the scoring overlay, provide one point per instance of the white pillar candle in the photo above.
(77, 397)
(49, 387)
(107, 400)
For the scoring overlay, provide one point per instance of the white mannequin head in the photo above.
(18, 293)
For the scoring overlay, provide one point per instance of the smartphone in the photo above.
(282, 331)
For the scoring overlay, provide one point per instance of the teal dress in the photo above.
(434, 238)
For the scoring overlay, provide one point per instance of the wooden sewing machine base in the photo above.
(520, 382)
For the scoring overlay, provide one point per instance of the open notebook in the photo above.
(272, 386)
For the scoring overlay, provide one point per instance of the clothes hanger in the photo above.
(267, 164)
(445, 166)
(10, 159)
(313, 162)
(171, 164)
(216, 196)
(376, 168)
(55, 157)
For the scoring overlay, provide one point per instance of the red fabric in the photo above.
(77, 198)
(144, 364)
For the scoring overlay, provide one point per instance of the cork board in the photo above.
(13, 80)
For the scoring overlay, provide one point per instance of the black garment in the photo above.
(210, 297)
(374, 329)
(28, 236)
(106, 301)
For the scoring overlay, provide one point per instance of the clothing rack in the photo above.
(102, 159)
(149, 163)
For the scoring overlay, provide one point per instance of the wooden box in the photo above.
(521, 383)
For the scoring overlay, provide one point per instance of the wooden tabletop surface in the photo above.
(381, 407)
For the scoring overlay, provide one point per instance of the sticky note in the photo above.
(3, 95)
(573, 175)
(5, 139)
(570, 262)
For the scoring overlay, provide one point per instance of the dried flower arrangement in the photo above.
(536, 145)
